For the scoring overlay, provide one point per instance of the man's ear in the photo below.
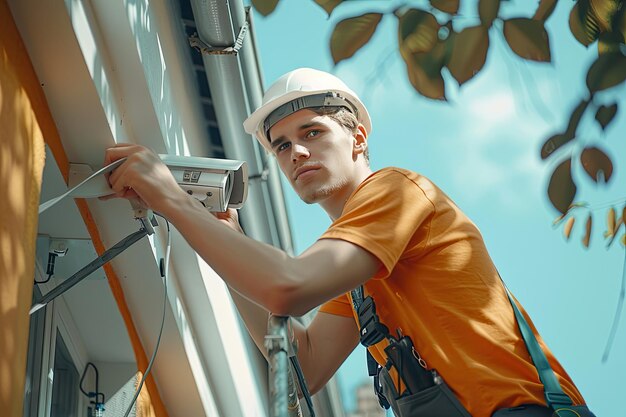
(359, 140)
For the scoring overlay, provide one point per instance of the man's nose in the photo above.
(299, 151)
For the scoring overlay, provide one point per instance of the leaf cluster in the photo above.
(428, 41)
(590, 21)
(603, 21)
(613, 224)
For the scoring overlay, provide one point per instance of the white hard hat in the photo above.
(299, 89)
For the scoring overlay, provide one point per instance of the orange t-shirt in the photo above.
(438, 285)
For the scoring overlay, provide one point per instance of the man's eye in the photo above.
(282, 147)
(312, 133)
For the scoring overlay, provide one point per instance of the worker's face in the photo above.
(315, 153)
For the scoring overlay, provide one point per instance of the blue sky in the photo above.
(482, 149)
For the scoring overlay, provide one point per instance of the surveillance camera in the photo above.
(217, 183)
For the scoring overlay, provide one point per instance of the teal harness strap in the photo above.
(555, 397)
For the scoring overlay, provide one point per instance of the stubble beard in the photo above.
(321, 193)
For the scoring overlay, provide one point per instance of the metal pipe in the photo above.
(224, 75)
(254, 87)
(284, 400)
(236, 88)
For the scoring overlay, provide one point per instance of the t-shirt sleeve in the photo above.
(382, 217)
(339, 306)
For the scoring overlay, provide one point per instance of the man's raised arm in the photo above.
(280, 283)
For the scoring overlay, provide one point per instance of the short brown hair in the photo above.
(345, 118)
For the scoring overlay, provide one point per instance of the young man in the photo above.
(416, 254)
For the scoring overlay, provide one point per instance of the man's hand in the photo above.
(143, 176)
(230, 218)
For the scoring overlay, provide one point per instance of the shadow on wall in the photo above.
(22, 159)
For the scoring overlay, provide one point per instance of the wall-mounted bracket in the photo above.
(206, 49)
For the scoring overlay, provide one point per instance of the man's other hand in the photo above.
(230, 218)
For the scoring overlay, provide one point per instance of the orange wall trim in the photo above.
(12, 46)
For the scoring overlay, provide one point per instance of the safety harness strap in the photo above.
(357, 297)
(357, 301)
(372, 365)
(555, 397)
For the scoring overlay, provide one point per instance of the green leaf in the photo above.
(418, 31)
(605, 114)
(553, 143)
(424, 69)
(609, 42)
(544, 10)
(469, 53)
(589, 19)
(447, 6)
(351, 34)
(328, 5)
(561, 189)
(603, 12)
(528, 38)
(558, 140)
(597, 164)
(265, 7)
(423, 52)
(488, 11)
(574, 119)
(424, 80)
(619, 23)
(607, 71)
(581, 23)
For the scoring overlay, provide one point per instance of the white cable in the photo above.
(96, 190)
(156, 347)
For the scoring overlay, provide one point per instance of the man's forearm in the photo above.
(254, 269)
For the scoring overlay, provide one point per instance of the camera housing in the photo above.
(218, 184)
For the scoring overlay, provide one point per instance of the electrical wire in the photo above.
(158, 342)
(303, 385)
(82, 378)
(44, 281)
(95, 394)
(50, 268)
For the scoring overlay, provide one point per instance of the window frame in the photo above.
(57, 318)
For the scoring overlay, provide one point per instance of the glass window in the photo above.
(65, 382)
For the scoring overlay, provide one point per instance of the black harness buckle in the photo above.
(372, 330)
